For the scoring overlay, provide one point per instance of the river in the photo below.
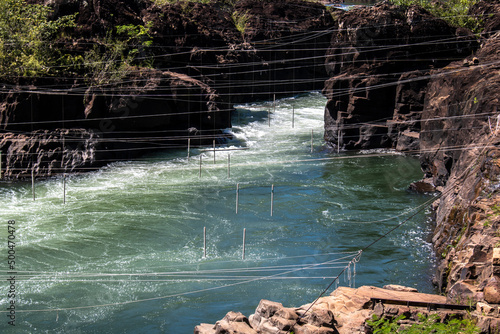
(125, 253)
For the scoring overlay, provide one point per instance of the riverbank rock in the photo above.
(345, 311)
(151, 104)
(46, 153)
(460, 153)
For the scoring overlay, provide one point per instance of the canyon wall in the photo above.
(196, 61)
(434, 91)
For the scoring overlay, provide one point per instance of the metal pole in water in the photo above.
(312, 136)
(204, 242)
(338, 141)
(200, 165)
(228, 165)
(244, 241)
(189, 146)
(237, 196)
(269, 117)
(272, 199)
(293, 117)
(33, 181)
(214, 151)
(64, 189)
(274, 102)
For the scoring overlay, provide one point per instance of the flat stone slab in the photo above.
(401, 296)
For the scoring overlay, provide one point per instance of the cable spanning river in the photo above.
(125, 253)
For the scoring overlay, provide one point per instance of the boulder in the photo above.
(492, 291)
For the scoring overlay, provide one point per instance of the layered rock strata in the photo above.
(462, 161)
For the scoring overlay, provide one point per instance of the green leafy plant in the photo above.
(240, 20)
(455, 12)
(27, 36)
(426, 324)
(115, 56)
(496, 209)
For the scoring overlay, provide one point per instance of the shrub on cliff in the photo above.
(426, 324)
(455, 12)
(26, 38)
(113, 57)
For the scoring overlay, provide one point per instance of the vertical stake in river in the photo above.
(237, 196)
(33, 181)
(204, 242)
(244, 241)
(272, 199)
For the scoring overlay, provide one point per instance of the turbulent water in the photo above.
(125, 253)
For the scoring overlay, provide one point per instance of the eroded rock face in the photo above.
(47, 153)
(152, 102)
(459, 141)
(376, 90)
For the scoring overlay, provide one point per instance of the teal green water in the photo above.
(125, 253)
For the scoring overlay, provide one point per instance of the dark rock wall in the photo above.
(200, 65)
(379, 62)
(45, 153)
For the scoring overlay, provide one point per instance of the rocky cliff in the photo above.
(379, 64)
(188, 63)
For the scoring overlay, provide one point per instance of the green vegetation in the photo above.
(455, 12)
(426, 324)
(32, 44)
(240, 20)
(114, 57)
(26, 38)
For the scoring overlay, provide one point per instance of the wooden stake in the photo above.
(293, 117)
(312, 137)
(228, 165)
(200, 165)
(189, 146)
(214, 151)
(64, 189)
(338, 141)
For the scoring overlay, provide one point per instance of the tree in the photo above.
(27, 38)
